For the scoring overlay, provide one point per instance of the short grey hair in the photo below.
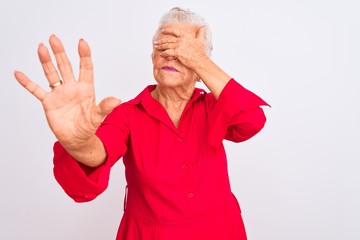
(179, 15)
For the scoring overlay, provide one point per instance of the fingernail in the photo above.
(156, 46)
(155, 42)
(41, 45)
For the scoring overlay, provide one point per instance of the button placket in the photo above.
(186, 165)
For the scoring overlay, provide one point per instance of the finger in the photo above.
(29, 85)
(62, 60)
(86, 66)
(171, 58)
(166, 39)
(107, 105)
(165, 46)
(47, 65)
(169, 53)
(172, 31)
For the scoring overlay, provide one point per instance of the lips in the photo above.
(170, 69)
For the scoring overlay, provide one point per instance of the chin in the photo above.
(170, 82)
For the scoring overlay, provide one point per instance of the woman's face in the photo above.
(169, 72)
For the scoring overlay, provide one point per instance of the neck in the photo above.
(173, 100)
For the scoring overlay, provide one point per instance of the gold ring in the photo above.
(59, 83)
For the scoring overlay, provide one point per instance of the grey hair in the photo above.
(178, 15)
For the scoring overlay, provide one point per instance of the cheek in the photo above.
(156, 60)
(189, 74)
(155, 71)
(156, 68)
(155, 64)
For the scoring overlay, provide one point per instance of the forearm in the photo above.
(212, 76)
(91, 153)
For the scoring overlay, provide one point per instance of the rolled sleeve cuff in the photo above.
(233, 99)
(80, 182)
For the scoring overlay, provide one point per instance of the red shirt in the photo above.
(177, 178)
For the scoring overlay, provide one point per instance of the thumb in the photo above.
(107, 105)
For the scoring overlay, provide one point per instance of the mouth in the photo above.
(170, 69)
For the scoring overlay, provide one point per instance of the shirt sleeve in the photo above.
(236, 115)
(83, 183)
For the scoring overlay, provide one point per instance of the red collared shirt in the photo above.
(177, 178)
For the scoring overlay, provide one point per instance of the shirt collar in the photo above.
(156, 110)
(145, 96)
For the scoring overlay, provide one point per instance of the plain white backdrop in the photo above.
(297, 179)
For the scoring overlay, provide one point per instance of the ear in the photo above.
(201, 32)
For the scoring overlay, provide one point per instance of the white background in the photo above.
(298, 179)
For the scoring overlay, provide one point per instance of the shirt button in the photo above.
(185, 166)
(180, 139)
(190, 195)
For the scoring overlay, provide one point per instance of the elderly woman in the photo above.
(170, 136)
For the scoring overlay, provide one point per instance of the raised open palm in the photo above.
(70, 106)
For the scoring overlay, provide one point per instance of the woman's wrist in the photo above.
(90, 152)
(212, 76)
